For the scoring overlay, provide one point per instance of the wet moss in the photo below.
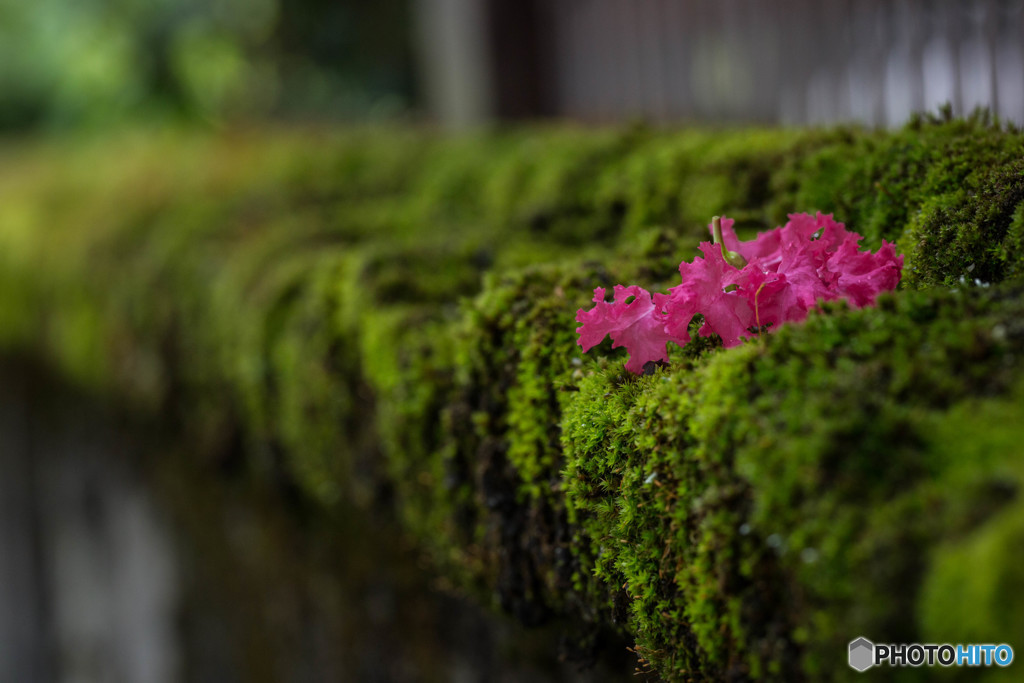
(387, 319)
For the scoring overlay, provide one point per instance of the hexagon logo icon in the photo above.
(862, 654)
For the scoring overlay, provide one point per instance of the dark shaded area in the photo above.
(248, 583)
(522, 49)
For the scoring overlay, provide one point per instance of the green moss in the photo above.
(706, 486)
(970, 590)
(387, 318)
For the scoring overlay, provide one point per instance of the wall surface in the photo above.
(121, 562)
(89, 590)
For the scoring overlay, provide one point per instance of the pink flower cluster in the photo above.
(788, 271)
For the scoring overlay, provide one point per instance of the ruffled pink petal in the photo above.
(772, 297)
(636, 325)
(765, 245)
(861, 275)
(789, 271)
(703, 291)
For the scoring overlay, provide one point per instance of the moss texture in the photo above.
(387, 316)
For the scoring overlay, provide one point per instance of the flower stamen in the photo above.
(733, 258)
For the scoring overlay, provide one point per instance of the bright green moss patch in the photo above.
(750, 497)
(972, 589)
(387, 318)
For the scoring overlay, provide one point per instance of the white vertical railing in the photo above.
(788, 61)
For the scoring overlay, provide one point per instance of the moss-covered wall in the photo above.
(388, 316)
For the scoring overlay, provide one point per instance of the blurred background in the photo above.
(96, 63)
(92, 579)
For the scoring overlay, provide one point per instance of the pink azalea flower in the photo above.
(744, 288)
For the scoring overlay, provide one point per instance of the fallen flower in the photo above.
(631, 320)
(743, 288)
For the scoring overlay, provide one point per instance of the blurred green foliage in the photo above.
(74, 63)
